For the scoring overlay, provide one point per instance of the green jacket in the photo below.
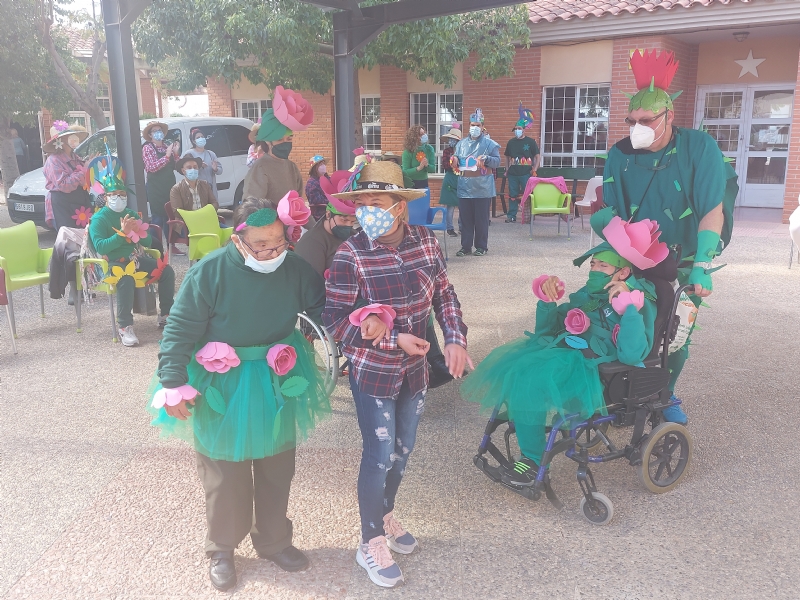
(222, 300)
(108, 242)
(410, 164)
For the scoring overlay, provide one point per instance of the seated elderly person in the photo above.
(322, 241)
(118, 234)
(191, 193)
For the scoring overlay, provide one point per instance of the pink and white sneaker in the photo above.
(377, 561)
(397, 538)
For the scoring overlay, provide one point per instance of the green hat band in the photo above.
(332, 208)
(612, 258)
(113, 184)
(271, 129)
(263, 217)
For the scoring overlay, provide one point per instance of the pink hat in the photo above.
(636, 242)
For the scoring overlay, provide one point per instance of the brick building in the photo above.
(739, 71)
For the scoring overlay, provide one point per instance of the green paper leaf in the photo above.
(689, 258)
(677, 185)
(640, 365)
(609, 180)
(686, 213)
(727, 159)
(668, 212)
(655, 162)
(276, 424)
(598, 346)
(672, 151)
(214, 399)
(603, 156)
(704, 304)
(294, 386)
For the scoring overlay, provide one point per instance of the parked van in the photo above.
(227, 138)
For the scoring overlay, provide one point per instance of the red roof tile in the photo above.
(552, 10)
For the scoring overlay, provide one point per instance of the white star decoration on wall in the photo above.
(749, 65)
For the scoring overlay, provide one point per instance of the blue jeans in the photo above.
(450, 212)
(388, 432)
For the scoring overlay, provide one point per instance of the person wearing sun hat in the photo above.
(399, 270)
(675, 176)
(522, 159)
(239, 381)
(274, 175)
(64, 173)
(253, 152)
(317, 199)
(159, 161)
(612, 317)
(449, 193)
(473, 161)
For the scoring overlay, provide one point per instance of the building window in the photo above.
(371, 123)
(437, 113)
(252, 109)
(104, 98)
(575, 124)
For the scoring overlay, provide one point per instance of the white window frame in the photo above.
(433, 136)
(262, 104)
(104, 96)
(575, 154)
(368, 148)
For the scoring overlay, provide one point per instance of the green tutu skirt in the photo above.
(538, 384)
(249, 412)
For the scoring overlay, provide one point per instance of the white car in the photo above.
(227, 138)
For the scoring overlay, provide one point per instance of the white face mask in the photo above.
(474, 131)
(643, 136)
(117, 203)
(263, 266)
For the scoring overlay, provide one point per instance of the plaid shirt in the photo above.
(154, 157)
(62, 173)
(412, 280)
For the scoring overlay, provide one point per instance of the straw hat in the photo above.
(147, 132)
(377, 177)
(254, 132)
(453, 134)
(59, 130)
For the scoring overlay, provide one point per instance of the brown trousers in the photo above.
(232, 488)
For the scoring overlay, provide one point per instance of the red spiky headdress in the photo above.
(651, 68)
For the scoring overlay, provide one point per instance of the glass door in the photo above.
(770, 119)
(720, 113)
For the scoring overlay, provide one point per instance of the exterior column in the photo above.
(790, 198)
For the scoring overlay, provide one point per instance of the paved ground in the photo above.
(94, 505)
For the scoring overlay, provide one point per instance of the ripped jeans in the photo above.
(388, 432)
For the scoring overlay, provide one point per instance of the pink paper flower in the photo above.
(294, 233)
(615, 334)
(291, 109)
(576, 321)
(292, 209)
(217, 357)
(636, 242)
(537, 288)
(282, 358)
(82, 216)
(385, 313)
(621, 301)
(139, 230)
(327, 274)
(173, 396)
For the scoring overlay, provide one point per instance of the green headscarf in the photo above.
(271, 129)
(605, 253)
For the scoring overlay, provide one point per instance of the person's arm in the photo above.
(218, 171)
(507, 154)
(208, 192)
(547, 321)
(635, 337)
(256, 182)
(103, 236)
(175, 198)
(313, 294)
(446, 306)
(410, 170)
(187, 324)
(152, 162)
(61, 176)
(536, 157)
(492, 157)
(430, 154)
(311, 250)
(298, 181)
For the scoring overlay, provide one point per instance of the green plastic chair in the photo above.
(205, 234)
(24, 264)
(548, 199)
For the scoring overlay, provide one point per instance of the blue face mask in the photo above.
(375, 221)
(518, 133)
(158, 135)
(474, 131)
(424, 138)
(452, 143)
(200, 142)
(192, 174)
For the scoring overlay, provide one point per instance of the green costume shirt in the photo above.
(108, 242)
(522, 153)
(410, 164)
(676, 186)
(222, 300)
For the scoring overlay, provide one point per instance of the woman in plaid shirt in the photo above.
(393, 275)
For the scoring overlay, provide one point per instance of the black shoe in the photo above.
(289, 559)
(511, 220)
(452, 233)
(438, 373)
(463, 252)
(222, 570)
(480, 252)
(524, 472)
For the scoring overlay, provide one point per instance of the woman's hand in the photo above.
(412, 345)
(424, 162)
(615, 288)
(170, 150)
(453, 161)
(372, 328)
(180, 410)
(214, 165)
(456, 358)
(552, 288)
(127, 224)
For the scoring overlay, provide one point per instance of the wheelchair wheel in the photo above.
(588, 438)
(327, 354)
(600, 512)
(665, 457)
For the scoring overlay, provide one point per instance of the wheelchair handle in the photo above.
(668, 327)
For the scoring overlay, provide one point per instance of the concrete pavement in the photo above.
(96, 506)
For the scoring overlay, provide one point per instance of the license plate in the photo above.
(24, 207)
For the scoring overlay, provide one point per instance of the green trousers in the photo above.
(126, 286)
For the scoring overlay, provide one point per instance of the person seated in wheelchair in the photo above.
(118, 234)
(553, 372)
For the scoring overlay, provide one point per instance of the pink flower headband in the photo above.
(292, 211)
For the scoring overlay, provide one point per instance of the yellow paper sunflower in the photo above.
(118, 273)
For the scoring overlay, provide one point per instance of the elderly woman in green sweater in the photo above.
(238, 380)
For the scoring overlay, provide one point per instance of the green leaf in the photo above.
(609, 179)
(276, 424)
(598, 346)
(668, 212)
(294, 386)
(686, 213)
(677, 185)
(214, 399)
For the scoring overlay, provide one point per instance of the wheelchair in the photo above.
(635, 397)
(327, 352)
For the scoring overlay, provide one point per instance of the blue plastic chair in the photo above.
(421, 213)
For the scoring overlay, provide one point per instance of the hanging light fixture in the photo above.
(740, 36)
